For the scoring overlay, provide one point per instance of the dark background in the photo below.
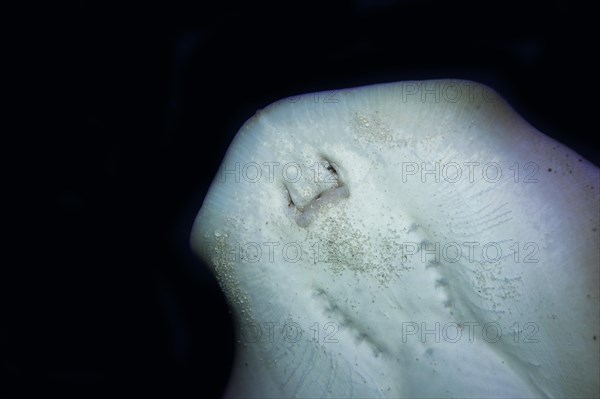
(131, 107)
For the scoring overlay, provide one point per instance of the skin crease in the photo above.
(415, 239)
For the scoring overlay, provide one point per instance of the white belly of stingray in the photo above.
(416, 239)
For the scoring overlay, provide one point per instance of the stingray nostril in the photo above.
(288, 196)
(326, 172)
(330, 166)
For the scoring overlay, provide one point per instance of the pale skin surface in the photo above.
(405, 240)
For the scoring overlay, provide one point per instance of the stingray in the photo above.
(411, 239)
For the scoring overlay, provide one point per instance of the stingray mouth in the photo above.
(307, 197)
